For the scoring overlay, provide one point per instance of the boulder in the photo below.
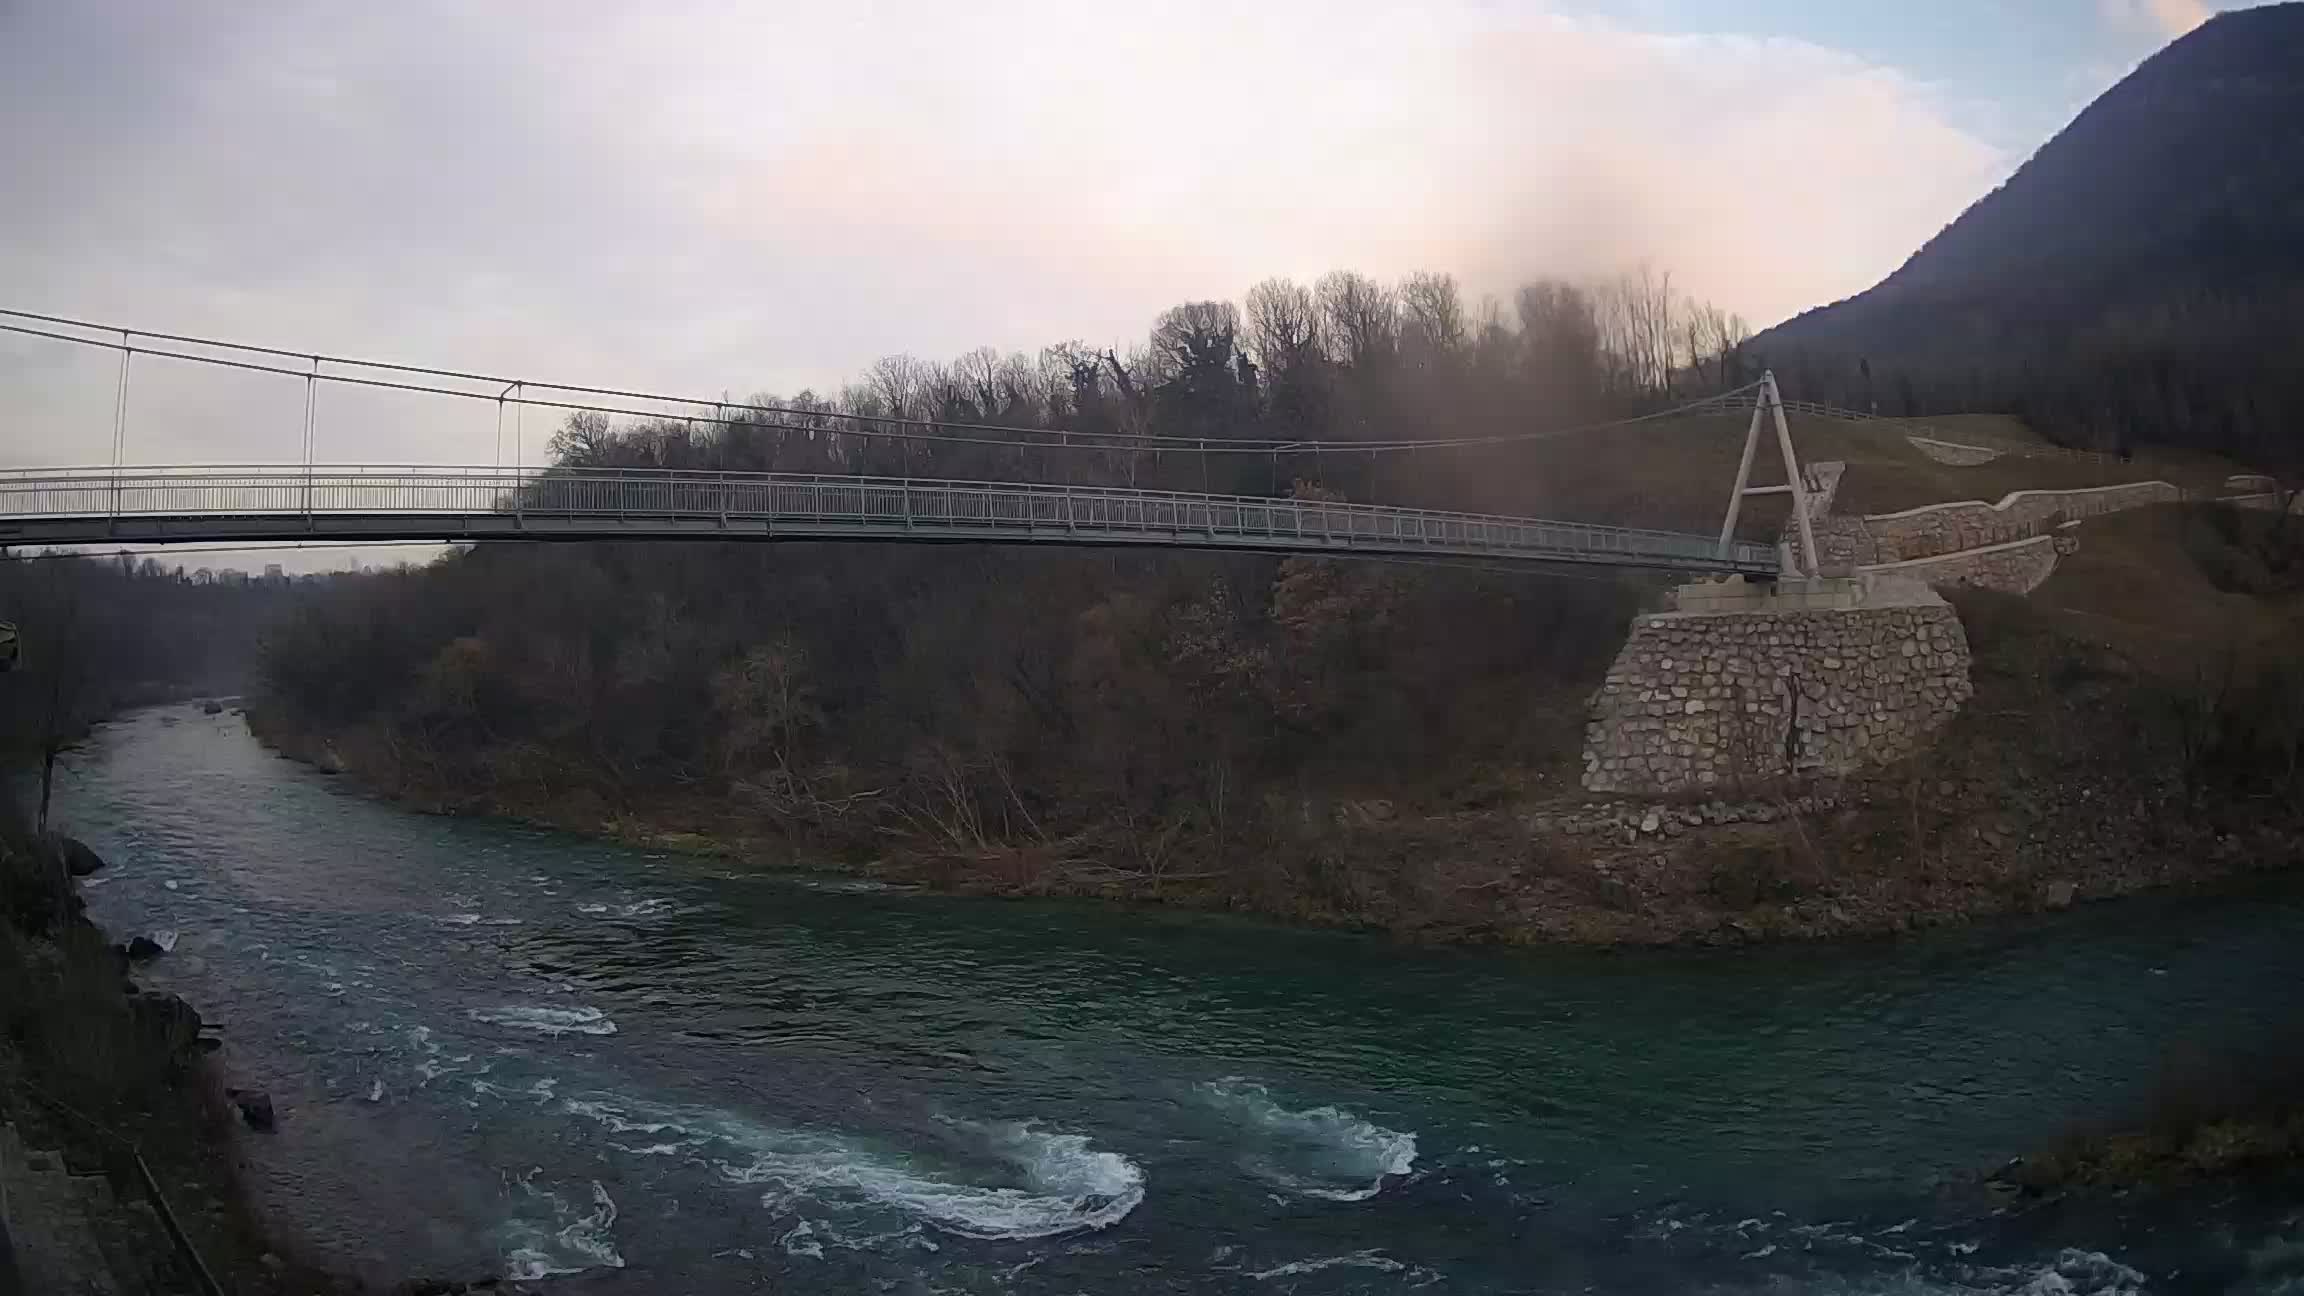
(255, 1107)
(78, 859)
(140, 948)
(170, 1020)
(211, 708)
(2060, 895)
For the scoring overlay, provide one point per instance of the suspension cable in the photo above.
(914, 429)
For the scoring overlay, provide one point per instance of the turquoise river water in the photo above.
(496, 1049)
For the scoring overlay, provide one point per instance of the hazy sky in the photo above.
(742, 197)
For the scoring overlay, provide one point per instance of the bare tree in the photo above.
(978, 375)
(1196, 340)
(1700, 325)
(901, 382)
(1433, 319)
(1360, 319)
(1641, 310)
(583, 441)
(1560, 332)
(1283, 327)
(1021, 399)
(62, 681)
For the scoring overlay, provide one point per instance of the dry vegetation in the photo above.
(2213, 1116)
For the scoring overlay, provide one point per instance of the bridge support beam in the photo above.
(1770, 402)
(1743, 686)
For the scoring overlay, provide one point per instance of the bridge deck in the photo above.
(271, 503)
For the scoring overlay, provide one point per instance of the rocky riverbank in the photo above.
(119, 1142)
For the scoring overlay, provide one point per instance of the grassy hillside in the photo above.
(2181, 591)
(1674, 474)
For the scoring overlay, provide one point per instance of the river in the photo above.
(499, 1049)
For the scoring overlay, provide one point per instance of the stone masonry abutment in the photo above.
(1744, 684)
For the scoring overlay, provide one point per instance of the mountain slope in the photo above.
(2141, 279)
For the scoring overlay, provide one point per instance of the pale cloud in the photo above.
(724, 197)
(2178, 17)
(2168, 18)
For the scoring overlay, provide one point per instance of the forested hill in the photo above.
(2140, 280)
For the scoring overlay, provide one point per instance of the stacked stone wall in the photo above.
(1973, 524)
(1711, 702)
(2019, 567)
(1821, 480)
(1846, 542)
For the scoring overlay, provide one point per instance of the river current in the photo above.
(496, 1049)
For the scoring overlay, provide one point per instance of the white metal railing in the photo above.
(145, 503)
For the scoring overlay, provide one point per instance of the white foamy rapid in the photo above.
(1376, 1260)
(648, 907)
(571, 1241)
(1058, 1183)
(1067, 1185)
(1323, 1152)
(2071, 1273)
(547, 1021)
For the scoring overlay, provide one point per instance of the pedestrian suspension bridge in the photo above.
(123, 502)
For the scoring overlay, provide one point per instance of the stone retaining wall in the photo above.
(2018, 567)
(1714, 701)
(1846, 541)
(1973, 524)
(1822, 482)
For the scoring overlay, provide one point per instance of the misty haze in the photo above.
(1619, 647)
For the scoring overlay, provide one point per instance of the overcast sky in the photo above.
(728, 197)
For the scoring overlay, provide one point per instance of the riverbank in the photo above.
(2074, 775)
(121, 1145)
(2229, 1116)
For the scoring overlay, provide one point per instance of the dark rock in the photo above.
(169, 1020)
(78, 859)
(140, 948)
(212, 708)
(255, 1107)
